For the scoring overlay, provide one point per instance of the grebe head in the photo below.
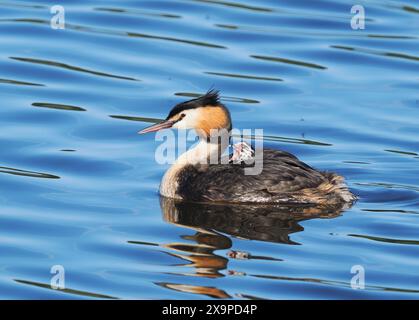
(204, 114)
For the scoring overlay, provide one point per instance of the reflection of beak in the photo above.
(158, 126)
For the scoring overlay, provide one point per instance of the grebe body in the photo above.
(283, 178)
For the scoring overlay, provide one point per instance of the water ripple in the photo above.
(57, 106)
(21, 83)
(386, 240)
(65, 290)
(193, 42)
(242, 76)
(236, 5)
(137, 12)
(20, 172)
(121, 33)
(72, 68)
(289, 61)
(379, 53)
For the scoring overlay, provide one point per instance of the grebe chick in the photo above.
(283, 179)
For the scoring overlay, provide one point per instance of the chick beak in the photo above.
(158, 126)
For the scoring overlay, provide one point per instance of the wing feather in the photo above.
(282, 174)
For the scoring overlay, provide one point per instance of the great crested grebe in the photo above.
(283, 179)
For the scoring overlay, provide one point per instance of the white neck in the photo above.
(204, 152)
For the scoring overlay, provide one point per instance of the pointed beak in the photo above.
(158, 126)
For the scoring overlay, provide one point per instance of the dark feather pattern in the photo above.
(211, 98)
(284, 179)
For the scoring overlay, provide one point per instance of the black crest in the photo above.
(211, 98)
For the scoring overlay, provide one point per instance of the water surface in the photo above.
(79, 187)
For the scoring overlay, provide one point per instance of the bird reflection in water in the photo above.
(210, 223)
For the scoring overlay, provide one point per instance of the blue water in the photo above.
(78, 186)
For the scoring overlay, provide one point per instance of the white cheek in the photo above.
(189, 121)
(180, 125)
